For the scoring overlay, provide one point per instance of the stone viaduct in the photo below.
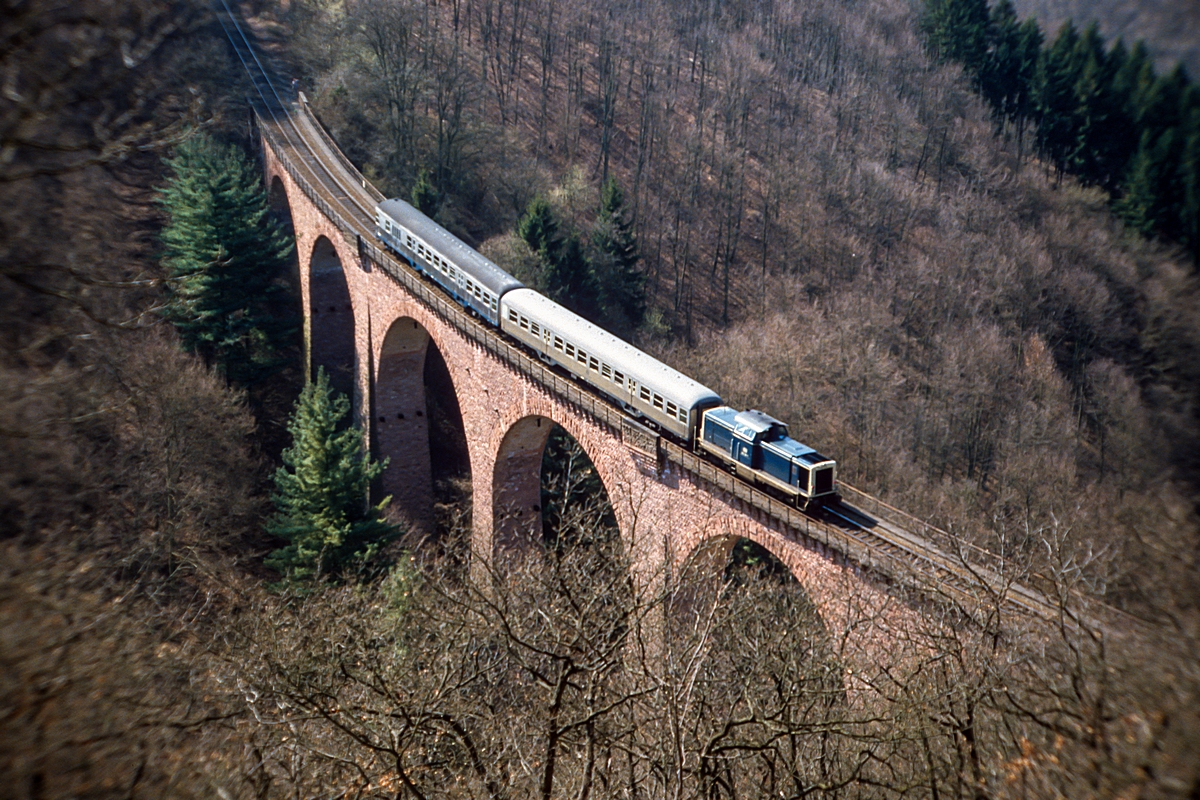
(370, 323)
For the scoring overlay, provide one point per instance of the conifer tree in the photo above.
(321, 492)
(425, 197)
(622, 287)
(224, 254)
(567, 276)
(1000, 83)
(1059, 71)
(958, 31)
(1102, 130)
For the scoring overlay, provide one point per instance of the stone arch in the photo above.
(517, 481)
(402, 420)
(331, 343)
(702, 573)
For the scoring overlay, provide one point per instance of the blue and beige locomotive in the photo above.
(749, 443)
(756, 446)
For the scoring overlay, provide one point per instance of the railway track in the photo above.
(874, 542)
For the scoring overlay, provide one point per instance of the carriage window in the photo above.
(672, 409)
(658, 401)
(606, 371)
(683, 415)
(570, 349)
(524, 323)
(582, 357)
(593, 363)
(512, 315)
(533, 328)
(618, 378)
(644, 393)
(558, 342)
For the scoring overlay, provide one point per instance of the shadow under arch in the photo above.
(749, 599)
(281, 210)
(417, 425)
(545, 489)
(331, 343)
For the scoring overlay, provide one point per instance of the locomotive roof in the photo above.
(450, 246)
(753, 421)
(749, 424)
(613, 350)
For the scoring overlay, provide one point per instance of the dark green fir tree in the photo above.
(1059, 73)
(225, 257)
(321, 492)
(566, 272)
(958, 31)
(425, 197)
(622, 286)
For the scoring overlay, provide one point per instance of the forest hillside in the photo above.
(824, 222)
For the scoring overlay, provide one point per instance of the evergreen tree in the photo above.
(571, 281)
(958, 31)
(224, 254)
(1000, 83)
(567, 276)
(1029, 50)
(1152, 190)
(321, 492)
(1059, 72)
(425, 197)
(622, 287)
(1102, 130)
(1189, 177)
(539, 228)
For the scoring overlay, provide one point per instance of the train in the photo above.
(750, 443)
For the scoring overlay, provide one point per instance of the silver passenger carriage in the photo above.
(470, 278)
(642, 384)
(757, 446)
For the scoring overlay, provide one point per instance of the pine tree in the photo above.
(321, 492)
(958, 31)
(425, 197)
(1000, 83)
(622, 287)
(1189, 177)
(1102, 130)
(1152, 190)
(567, 276)
(1059, 72)
(224, 254)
